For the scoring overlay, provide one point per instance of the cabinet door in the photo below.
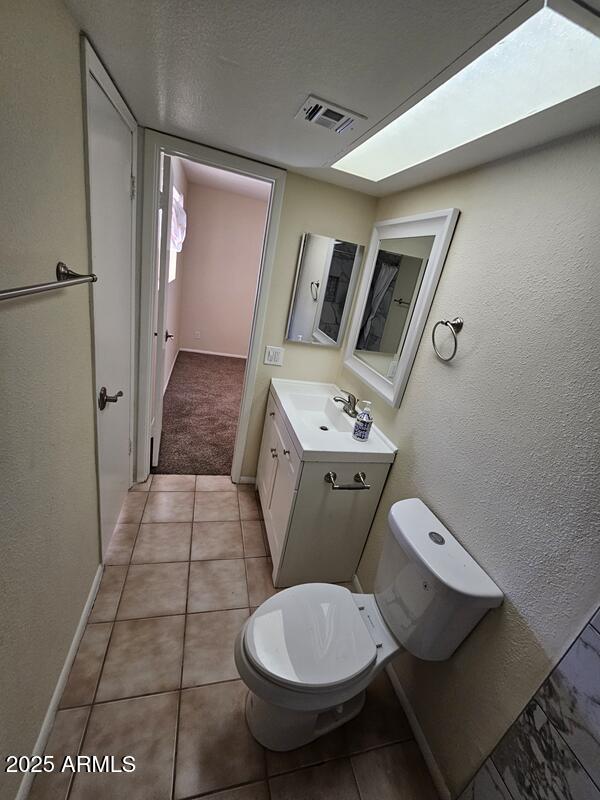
(329, 528)
(284, 485)
(267, 464)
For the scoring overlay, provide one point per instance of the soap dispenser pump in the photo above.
(364, 421)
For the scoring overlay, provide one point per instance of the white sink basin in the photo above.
(320, 412)
(321, 430)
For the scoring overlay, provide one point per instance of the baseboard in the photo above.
(246, 479)
(171, 370)
(48, 722)
(211, 353)
(434, 770)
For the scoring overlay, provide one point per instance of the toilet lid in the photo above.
(309, 636)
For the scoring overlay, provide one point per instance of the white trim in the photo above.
(432, 765)
(48, 722)
(171, 370)
(441, 225)
(94, 71)
(210, 352)
(155, 143)
(165, 193)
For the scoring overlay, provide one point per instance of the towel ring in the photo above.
(455, 326)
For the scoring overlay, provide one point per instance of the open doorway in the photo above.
(214, 233)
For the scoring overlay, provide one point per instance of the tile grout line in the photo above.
(566, 744)
(185, 624)
(79, 745)
(237, 497)
(264, 752)
(177, 614)
(87, 724)
(151, 694)
(349, 755)
(358, 791)
(212, 792)
(185, 560)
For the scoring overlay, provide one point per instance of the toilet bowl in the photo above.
(308, 653)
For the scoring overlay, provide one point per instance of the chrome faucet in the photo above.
(349, 403)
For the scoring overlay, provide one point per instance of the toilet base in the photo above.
(278, 728)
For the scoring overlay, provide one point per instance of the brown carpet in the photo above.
(200, 415)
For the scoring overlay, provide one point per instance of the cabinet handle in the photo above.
(274, 452)
(360, 479)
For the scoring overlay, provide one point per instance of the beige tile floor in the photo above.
(154, 676)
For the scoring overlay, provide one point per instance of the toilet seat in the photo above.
(310, 637)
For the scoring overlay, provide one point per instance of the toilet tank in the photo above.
(429, 590)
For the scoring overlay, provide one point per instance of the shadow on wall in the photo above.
(494, 637)
(552, 752)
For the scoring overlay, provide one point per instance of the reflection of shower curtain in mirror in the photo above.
(336, 290)
(376, 311)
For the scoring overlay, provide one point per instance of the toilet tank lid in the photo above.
(423, 537)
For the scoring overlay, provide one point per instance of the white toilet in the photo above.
(308, 653)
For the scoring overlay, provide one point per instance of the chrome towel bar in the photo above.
(64, 277)
(359, 485)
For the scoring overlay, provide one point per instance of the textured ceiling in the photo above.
(233, 74)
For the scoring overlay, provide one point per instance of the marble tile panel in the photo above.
(570, 698)
(536, 764)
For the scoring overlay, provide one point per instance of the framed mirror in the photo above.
(322, 297)
(402, 270)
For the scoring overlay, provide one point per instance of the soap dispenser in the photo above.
(364, 421)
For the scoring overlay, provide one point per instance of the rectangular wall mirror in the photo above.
(322, 298)
(402, 269)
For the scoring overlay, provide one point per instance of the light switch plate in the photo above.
(274, 356)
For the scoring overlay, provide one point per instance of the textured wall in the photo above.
(221, 261)
(503, 443)
(308, 207)
(552, 752)
(49, 526)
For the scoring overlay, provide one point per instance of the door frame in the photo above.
(156, 143)
(94, 70)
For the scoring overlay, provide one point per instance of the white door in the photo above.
(111, 169)
(163, 228)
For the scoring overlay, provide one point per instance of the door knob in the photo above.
(169, 336)
(104, 398)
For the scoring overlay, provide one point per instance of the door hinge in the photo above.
(130, 447)
(133, 187)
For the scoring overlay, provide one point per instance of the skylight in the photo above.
(546, 60)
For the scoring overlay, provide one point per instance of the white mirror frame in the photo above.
(440, 224)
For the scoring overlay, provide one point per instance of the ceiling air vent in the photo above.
(328, 115)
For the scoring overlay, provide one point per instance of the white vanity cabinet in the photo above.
(315, 532)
